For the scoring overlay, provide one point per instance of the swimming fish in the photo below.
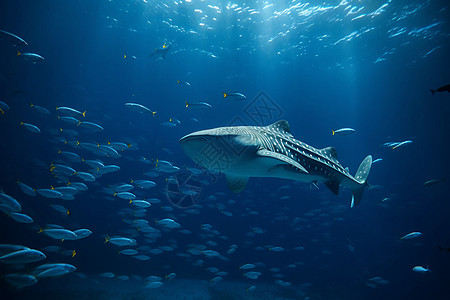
(216, 279)
(61, 169)
(73, 157)
(53, 270)
(236, 96)
(8, 204)
(3, 107)
(210, 253)
(144, 184)
(141, 257)
(71, 133)
(251, 289)
(252, 275)
(106, 150)
(443, 248)
(118, 146)
(20, 280)
(168, 124)
(390, 144)
(12, 38)
(123, 188)
(40, 109)
(432, 182)
(9, 248)
(79, 186)
(165, 167)
(60, 208)
(27, 189)
(68, 192)
(175, 120)
(445, 88)
(128, 252)
(141, 203)
(271, 151)
(82, 233)
(33, 57)
(132, 56)
(108, 169)
(22, 257)
(343, 131)
(59, 233)
(140, 108)
(120, 241)
(184, 83)
(21, 218)
(378, 280)
(153, 285)
(411, 235)
(154, 200)
(168, 223)
(30, 127)
(108, 274)
(125, 195)
(400, 144)
(198, 105)
(276, 249)
(91, 126)
(85, 176)
(247, 266)
(420, 269)
(161, 52)
(49, 193)
(67, 111)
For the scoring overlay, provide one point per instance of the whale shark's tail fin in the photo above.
(361, 178)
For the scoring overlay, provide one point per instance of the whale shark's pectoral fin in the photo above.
(333, 186)
(282, 158)
(235, 183)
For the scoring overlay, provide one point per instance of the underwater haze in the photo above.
(99, 199)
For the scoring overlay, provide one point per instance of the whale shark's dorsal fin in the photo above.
(330, 152)
(282, 125)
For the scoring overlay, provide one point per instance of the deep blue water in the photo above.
(319, 65)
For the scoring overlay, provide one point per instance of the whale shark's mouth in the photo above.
(188, 138)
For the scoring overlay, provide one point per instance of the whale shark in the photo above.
(241, 152)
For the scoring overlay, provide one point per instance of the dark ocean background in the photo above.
(320, 65)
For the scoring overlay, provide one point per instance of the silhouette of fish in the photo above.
(445, 88)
